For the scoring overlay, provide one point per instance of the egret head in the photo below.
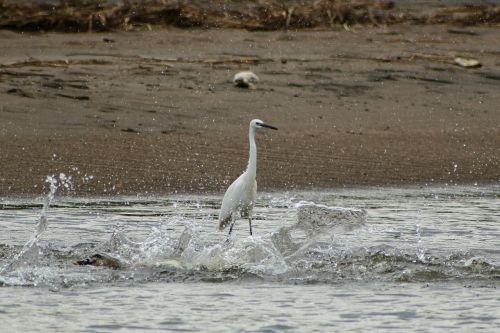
(257, 123)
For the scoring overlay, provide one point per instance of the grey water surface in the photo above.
(420, 259)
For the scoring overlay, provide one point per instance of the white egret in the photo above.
(240, 195)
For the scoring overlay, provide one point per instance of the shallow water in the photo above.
(421, 259)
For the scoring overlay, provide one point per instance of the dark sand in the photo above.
(156, 111)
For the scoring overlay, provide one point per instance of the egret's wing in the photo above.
(230, 202)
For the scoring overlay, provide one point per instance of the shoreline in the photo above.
(65, 194)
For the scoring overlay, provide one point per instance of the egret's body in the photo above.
(240, 195)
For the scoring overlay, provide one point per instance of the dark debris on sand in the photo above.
(96, 15)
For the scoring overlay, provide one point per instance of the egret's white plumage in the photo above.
(240, 195)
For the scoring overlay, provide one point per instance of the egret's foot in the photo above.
(227, 241)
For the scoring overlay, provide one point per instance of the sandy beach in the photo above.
(151, 112)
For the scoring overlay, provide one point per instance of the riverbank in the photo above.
(156, 111)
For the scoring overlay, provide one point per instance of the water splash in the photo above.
(420, 250)
(159, 246)
(272, 254)
(321, 244)
(302, 252)
(31, 246)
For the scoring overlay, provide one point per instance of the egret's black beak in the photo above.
(267, 126)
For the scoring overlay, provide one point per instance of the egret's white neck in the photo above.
(252, 160)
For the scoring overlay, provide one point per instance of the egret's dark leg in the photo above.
(228, 237)
(231, 228)
(250, 224)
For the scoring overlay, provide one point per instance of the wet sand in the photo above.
(153, 112)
